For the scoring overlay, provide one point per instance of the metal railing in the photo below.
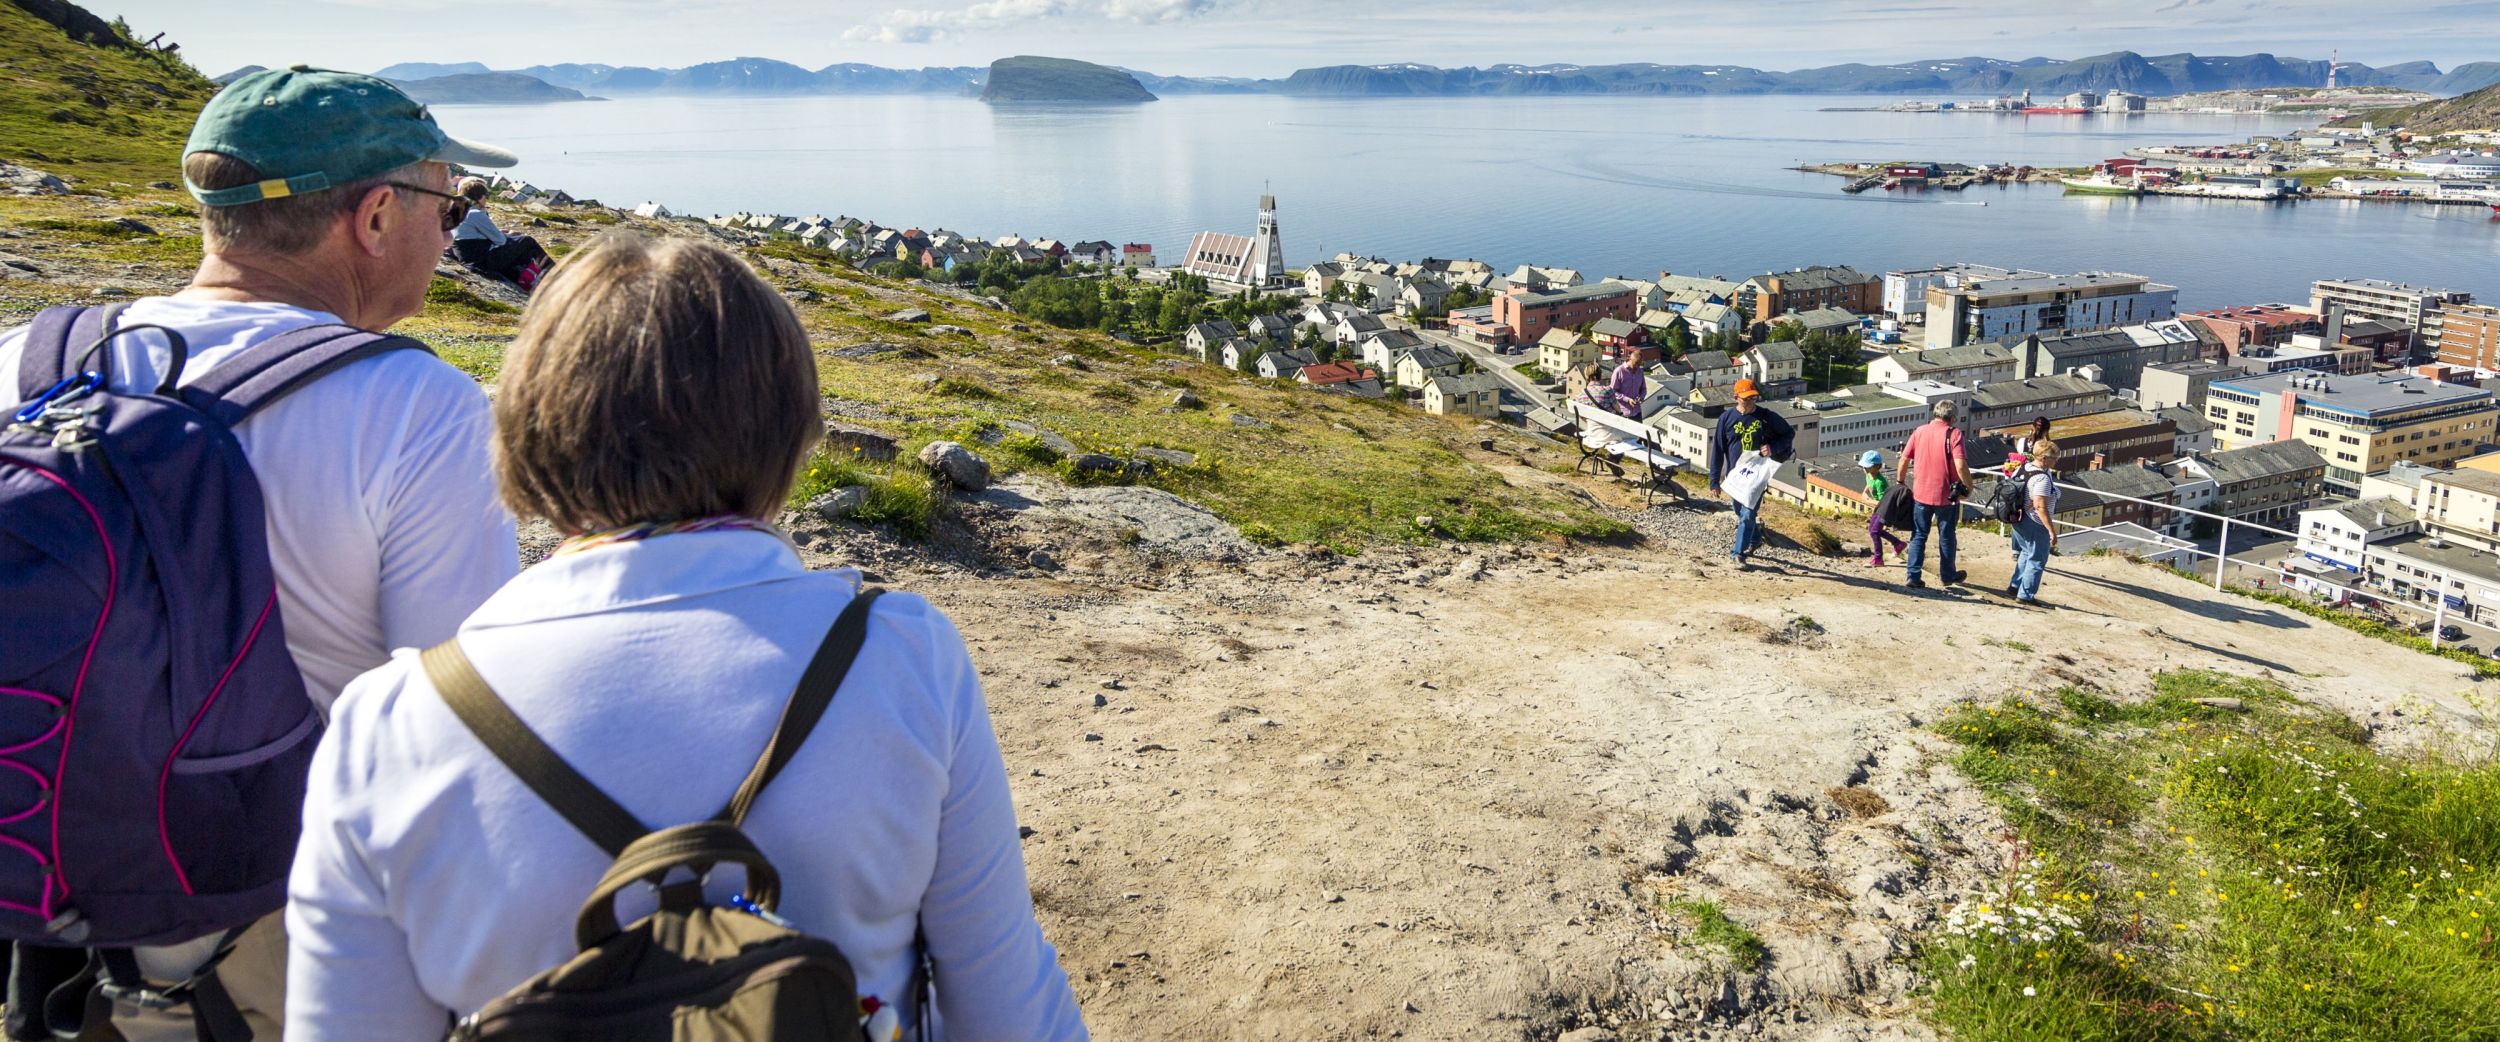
(2438, 611)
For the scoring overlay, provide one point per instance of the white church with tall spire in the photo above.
(1254, 261)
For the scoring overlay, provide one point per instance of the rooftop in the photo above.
(2131, 480)
(2482, 481)
(1967, 356)
(2365, 513)
(2259, 462)
(2443, 555)
(1817, 277)
(2007, 394)
(1592, 291)
(2363, 395)
(2087, 424)
(2034, 282)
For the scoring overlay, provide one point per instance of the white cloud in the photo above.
(925, 25)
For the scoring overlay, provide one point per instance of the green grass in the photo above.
(1711, 926)
(2319, 178)
(96, 114)
(901, 494)
(2187, 871)
(451, 295)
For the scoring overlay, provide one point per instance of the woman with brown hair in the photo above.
(517, 259)
(655, 409)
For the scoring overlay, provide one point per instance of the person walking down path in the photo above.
(1747, 428)
(1876, 485)
(654, 653)
(1939, 476)
(325, 205)
(2035, 533)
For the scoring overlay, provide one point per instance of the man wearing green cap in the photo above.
(325, 199)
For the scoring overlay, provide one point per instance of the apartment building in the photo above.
(2252, 325)
(2406, 305)
(2465, 335)
(2267, 484)
(1905, 292)
(2005, 309)
(1968, 365)
(2118, 356)
(2181, 384)
(2360, 424)
(1767, 297)
(1525, 314)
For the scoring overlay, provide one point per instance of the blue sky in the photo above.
(1274, 37)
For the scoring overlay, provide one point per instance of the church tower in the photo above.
(1267, 252)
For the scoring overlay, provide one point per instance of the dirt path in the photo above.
(1446, 795)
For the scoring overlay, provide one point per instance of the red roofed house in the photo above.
(1137, 255)
(2254, 325)
(1344, 375)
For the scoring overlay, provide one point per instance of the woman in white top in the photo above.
(517, 259)
(655, 409)
(2035, 535)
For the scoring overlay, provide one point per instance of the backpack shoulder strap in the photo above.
(55, 335)
(282, 365)
(815, 693)
(609, 825)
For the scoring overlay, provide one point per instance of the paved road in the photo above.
(1497, 364)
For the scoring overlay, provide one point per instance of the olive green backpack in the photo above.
(691, 971)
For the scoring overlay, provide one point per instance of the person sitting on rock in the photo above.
(479, 244)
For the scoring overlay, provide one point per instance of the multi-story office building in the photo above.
(2004, 309)
(2360, 424)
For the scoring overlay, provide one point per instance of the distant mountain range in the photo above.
(2155, 76)
(1029, 78)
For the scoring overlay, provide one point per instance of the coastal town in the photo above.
(2345, 446)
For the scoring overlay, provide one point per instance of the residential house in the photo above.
(1341, 376)
(1421, 297)
(1353, 327)
(1473, 394)
(1623, 340)
(1371, 289)
(1646, 295)
(1562, 351)
(1709, 318)
(1381, 350)
(1415, 368)
(1052, 248)
(2361, 424)
(1713, 369)
(1531, 277)
(1905, 292)
(1969, 366)
(1767, 297)
(1778, 367)
(1285, 365)
(1137, 255)
(2267, 484)
(1267, 327)
(1206, 339)
(1094, 251)
(1659, 323)
(1825, 320)
(1240, 354)
(2008, 402)
(2339, 535)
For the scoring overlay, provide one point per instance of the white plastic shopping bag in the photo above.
(1746, 481)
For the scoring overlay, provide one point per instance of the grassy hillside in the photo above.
(103, 114)
(1285, 464)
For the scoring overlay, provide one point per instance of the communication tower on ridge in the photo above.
(2333, 62)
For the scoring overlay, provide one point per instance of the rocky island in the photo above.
(1026, 78)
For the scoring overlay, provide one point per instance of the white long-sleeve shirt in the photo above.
(431, 880)
(478, 226)
(384, 527)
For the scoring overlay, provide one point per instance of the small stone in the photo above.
(1018, 327)
(163, 186)
(1411, 1007)
(1252, 422)
(133, 226)
(20, 264)
(1186, 399)
(1131, 896)
(957, 463)
(806, 296)
(1587, 1035)
(1024, 831)
(1101, 701)
(1334, 898)
(1113, 684)
(908, 315)
(1041, 559)
(1068, 362)
(1169, 457)
(839, 504)
(1094, 463)
(1154, 747)
(1092, 737)
(843, 440)
(944, 330)
(2228, 704)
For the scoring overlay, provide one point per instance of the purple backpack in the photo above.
(154, 732)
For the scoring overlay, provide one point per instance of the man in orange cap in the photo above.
(1747, 428)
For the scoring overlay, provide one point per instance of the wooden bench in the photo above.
(1627, 448)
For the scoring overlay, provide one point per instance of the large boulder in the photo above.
(845, 440)
(18, 180)
(838, 504)
(957, 463)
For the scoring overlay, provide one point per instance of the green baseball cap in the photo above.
(308, 129)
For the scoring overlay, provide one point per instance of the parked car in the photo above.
(2451, 632)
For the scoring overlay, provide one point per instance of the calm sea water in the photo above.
(1629, 186)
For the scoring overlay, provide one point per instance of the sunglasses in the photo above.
(453, 214)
